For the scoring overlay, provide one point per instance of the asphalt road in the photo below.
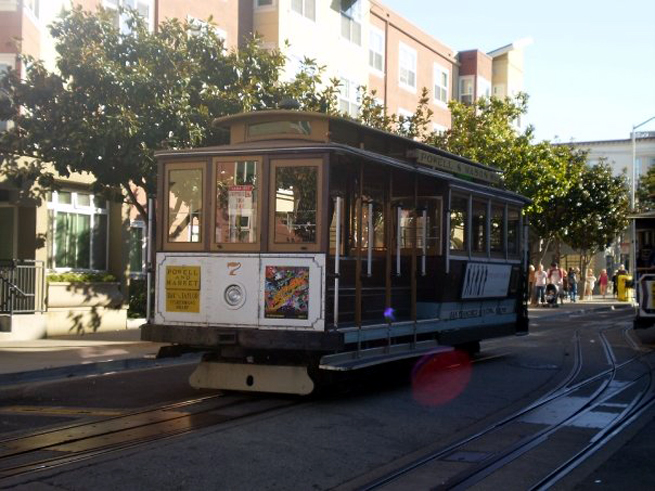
(367, 425)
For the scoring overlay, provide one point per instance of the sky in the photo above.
(589, 72)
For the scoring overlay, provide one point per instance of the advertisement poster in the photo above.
(286, 293)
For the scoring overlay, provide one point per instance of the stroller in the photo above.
(551, 295)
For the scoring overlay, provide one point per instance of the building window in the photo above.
(407, 64)
(348, 102)
(196, 26)
(441, 76)
(144, 8)
(4, 69)
(484, 87)
(351, 16)
(264, 3)
(32, 6)
(306, 8)
(137, 248)
(406, 115)
(376, 50)
(466, 90)
(77, 230)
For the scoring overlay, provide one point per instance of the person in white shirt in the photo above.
(540, 279)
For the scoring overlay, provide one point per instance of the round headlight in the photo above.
(233, 295)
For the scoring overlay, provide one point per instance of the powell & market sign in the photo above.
(453, 166)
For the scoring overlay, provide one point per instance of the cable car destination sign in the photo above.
(453, 166)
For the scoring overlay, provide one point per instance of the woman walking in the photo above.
(591, 282)
(603, 280)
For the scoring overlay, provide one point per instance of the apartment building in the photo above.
(618, 153)
(361, 42)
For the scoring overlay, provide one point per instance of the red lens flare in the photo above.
(440, 377)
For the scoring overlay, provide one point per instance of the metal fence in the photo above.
(22, 286)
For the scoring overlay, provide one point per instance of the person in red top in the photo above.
(556, 277)
(603, 280)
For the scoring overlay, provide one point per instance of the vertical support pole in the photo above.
(388, 240)
(414, 278)
(399, 214)
(424, 251)
(358, 267)
(447, 231)
(371, 238)
(149, 259)
(337, 261)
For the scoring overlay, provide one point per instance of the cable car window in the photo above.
(497, 226)
(237, 201)
(513, 232)
(432, 227)
(185, 205)
(296, 201)
(458, 219)
(479, 227)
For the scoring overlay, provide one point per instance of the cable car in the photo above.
(311, 243)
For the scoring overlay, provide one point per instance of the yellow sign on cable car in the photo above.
(183, 289)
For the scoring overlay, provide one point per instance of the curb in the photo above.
(92, 369)
(582, 311)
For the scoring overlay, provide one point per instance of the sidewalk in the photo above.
(87, 354)
(598, 303)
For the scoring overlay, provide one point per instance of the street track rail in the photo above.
(72, 443)
(607, 389)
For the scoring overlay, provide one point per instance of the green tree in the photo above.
(596, 209)
(646, 192)
(117, 97)
(486, 132)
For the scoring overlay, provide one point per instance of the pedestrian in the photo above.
(603, 280)
(540, 279)
(615, 283)
(531, 289)
(556, 277)
(573, 284)
(589, 284)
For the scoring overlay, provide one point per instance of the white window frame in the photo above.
(144, 248)
(348, 94)
(405, 113)
(437, 73)
(353, 16)
(407, 56)
(75, 207)
(258, 7)
(198, 23)
(484, 87)
(470, 79)
(115, 4)
(303, 9)
(8, 59)
(33, 10)
(374, 32)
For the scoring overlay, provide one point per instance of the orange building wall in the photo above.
(10, 27)
(428, 51)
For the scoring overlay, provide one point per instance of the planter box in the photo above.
(67, 294)
(79, 308)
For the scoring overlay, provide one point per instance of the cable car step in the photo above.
(353, 360)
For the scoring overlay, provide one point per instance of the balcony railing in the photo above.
(22, 286)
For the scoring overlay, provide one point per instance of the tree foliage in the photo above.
(596, 210)
(646, 191)
(117, 97)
